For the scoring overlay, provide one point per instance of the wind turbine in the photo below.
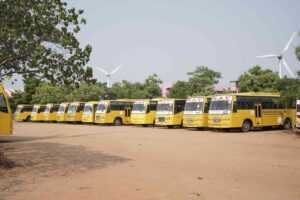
(109, 74)
(280, 58)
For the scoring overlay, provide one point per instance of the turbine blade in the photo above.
(115, 70)
(267, 56)
(288, 68)
(289, 43)
(102, 70)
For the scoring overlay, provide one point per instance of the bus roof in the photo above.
(260, 94)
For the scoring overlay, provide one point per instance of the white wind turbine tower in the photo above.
(109, 74)
(280, 58)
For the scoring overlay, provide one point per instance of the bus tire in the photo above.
(118, 122)
(287, 124)
(247, 125)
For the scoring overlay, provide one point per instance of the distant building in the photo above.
(165, 88)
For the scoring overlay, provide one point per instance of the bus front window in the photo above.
(19, 110)
(220, 107)
(35, 109)
(47, 110)
(139, 108)
(165, 108)
(193, 108)
(72, 108)
(101, 108)
(88, 108)
(61, 108)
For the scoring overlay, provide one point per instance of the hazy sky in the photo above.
(171, 37)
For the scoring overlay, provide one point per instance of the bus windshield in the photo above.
(220, 107)
(47, 109)
(193, 108)
(19, 110)
(88, 108)
(139, 107)
(72, 108)
(101, 108)
(165, 108)
(61, 108)
(34, 109)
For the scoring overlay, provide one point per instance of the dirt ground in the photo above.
(61, 161)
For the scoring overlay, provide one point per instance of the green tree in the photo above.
(289, 88)
(257, 79)
(48, 93)
(88, 92)
(179, 90)
(151, 87)
(202, 81)
(38, 38)
(30, 85)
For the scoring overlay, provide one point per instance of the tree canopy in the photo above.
(38, 38)
(257, 79)
(201, 82)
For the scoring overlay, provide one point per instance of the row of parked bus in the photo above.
(241, 110)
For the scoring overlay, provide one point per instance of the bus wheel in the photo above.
(287, 124)
(28, 119)
(117, 122)
(246, 126)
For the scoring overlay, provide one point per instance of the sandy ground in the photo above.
(61, 161)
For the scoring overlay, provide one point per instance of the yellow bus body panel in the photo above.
(270, 117)
(195, 120)
(6, 118)
(143, 118)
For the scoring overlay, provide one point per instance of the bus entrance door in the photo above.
(258, 117)
(127, 115)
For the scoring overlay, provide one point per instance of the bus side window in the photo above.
(206, 107)
(234, 107)
(179, 106)
(153, 105)
(3, 106)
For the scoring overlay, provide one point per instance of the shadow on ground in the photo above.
(39, 160)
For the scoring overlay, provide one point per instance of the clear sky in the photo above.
(172, 37)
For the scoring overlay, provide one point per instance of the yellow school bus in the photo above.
(37, 113)
(50, 112)
(74, 113)
(89, 110)
(249, 110)
(6, 117)
(170, 112)
(22, 113)
(144, 112)
(116, 112)
(298, 116)
(195, 113)
(61, 115)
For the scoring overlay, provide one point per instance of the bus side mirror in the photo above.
(108, 109)
(234, 107)
(148, 109)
